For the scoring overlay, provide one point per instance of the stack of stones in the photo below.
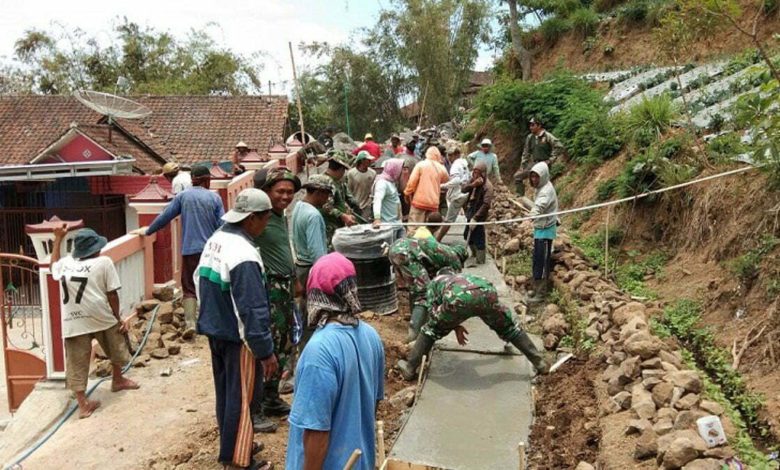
(644, 376)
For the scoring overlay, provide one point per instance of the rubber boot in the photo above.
(262, 423)
(539, 292)
(273, 405)
(472, 260)
(526, 346)
(419, 317)
(422, 347)
(190, 306)
(481, 256)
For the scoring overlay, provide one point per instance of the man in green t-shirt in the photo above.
(274, 243)
(540, 146)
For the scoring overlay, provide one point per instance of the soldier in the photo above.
(341, 209)
(417, 261)
(452, 299)
(540, 146)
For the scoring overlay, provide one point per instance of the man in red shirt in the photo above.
(369, 146)
(395, 145)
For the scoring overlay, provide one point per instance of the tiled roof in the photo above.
(122, 145)
(187, 129)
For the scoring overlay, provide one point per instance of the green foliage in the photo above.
(598, 138)
(557, 169)
(466, 135)
(576, 340)
(681, 320)
(646, 121)
(519, 264)
(748, 266)
(150, 61)
(725, 147)
(593, 245)
(553, 29)
(633, 12)
(584, 21)
(606, 189)
(758, 112)
(630, 275)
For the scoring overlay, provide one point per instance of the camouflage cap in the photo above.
(342, 158)
(323, 182)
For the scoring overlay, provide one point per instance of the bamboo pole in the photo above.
(606, 244)
(503, 266)
(422, 107)
(380, 437)
(353, 459)
(300, 107)
(419, 378)
(521, 452)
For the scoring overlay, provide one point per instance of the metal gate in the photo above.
(22, 326)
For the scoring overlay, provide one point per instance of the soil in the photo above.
(566, 431)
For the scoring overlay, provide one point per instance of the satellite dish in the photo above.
(112, 106)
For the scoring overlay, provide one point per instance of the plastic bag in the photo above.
(363, 241)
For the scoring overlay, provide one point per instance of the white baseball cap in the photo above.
(248, 201)
(486, 142)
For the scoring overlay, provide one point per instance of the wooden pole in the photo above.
(380, 437)
(521, 452)
(422, 107)
(419, 378)
(606, 245)
(503, 265)
(300, 107)
(353, 459)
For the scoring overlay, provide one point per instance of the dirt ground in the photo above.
(566, 429)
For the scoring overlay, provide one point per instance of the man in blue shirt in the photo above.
(485, 154)
(340, 375)
(201, 211)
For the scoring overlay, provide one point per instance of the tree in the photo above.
(522, 54)
(150, 61)
(436, 45)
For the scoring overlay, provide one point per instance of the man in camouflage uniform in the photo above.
(274, 245)
(417, 261)
(540, 146)
(452, 299)
(342, 209)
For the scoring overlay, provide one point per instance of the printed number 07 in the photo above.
(79, 294)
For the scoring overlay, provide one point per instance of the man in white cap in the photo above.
(180, 180)
(239, 154)
(235, 316)
(485, 154)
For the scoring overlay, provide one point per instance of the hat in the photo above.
(534, 120)
(265, 179)
(369, 136)
(341, 157)
(362, 155)
(199, 171)
(249, 200)
(486, 142)
(170, 167)
(241, 144)
(87, 242)
(323, 182)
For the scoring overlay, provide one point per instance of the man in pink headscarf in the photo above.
(340, 375)
(424, 187)
(387, 204)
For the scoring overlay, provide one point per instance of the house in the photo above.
(60, 157)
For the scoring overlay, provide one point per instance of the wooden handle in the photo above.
(353, 459)
(521, 451)
(380, 437)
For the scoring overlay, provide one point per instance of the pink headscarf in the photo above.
(433, 154)
(332, 292)
(392, 170)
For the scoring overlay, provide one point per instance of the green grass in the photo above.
(519, 264)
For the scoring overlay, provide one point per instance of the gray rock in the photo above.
(687, 419)
(646, 445)
(160, 353)
(662, 394)
(681, 451)
(687, 379)
(623, 399)
(638, 426)
(711, 407)
(642, 402)
(687, 402)
(584, 466)
(663, 426)
(630, 367)
(704, 464)
(652, 363)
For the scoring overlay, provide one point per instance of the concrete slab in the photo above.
(473, 411)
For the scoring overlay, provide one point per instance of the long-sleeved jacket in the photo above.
(490, 160)
(546, 199)
(542, 148)
(234, 303)
(201, 212)
(479, 201)
(425, 183)
(459, 176)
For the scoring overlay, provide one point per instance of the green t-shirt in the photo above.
(274, 244)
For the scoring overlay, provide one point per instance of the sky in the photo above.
(246, 27)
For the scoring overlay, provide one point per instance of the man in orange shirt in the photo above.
(424, 187)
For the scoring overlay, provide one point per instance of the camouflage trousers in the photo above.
(280, 294)
(416, 277)
(452, 312)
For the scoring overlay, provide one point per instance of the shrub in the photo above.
(633, 12)
(598, 139)
(726, 147)
(466, 135)
(649, 119)
(606, 189)
(603, 6)
(584, 21)
(553, 29)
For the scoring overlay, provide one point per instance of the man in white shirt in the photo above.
(180, 180)
(459, 176)
(90, 301)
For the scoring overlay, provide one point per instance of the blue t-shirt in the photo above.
(339, 379)
(201, 215)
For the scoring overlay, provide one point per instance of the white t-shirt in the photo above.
(181, 181)
(84, 284)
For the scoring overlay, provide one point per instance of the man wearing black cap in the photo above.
(200, 211)
(280, 185)
(540, 146)
(90, 301)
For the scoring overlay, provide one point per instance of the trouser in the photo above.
(302, 274)
(452, 312)
(542, 258)
(233, 366)
(417, 215)
(475, 236)
(189, 265)
(283, 321)
(78, 352)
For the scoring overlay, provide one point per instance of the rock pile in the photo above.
(165, 338)
(644, 375)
